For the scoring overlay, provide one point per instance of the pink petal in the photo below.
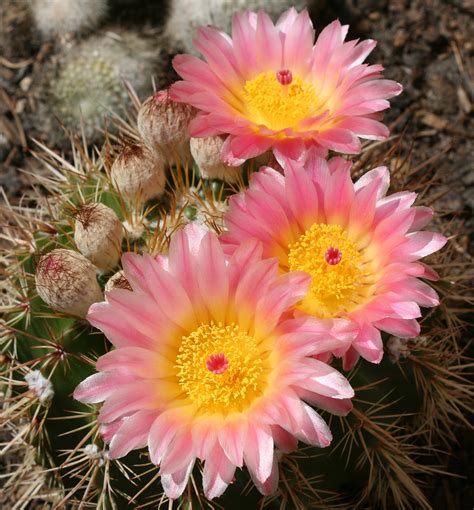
(253, 285)
(368, 343)
(298, 41)
(270, 485)
(123, 401)
(290, 289)
(320, 378)
(310, 336)
(134, 360)
(313, 429)
(378, 177)
(423, 216)
(339, 407)
(237, 149)
(268, 43)
(339, 192)
(404, 328)
(292, 148)
(217, 474)
(132, 434)
(232, 439)
(340, 140)
(179, 454)
(301, 195)
(285, 441)
(258, 451)
(174, 484)
(98, 387)
(162, 432)
(212, 276)
(218, 51)
(117, 329)
(418, 245)
(365, 128)
(194, 69)
(183, 258)
(211, 124)
(246, 254)
(243, 38)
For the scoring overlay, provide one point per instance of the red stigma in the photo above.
(333, 256)
(217, 363)
(284, 76)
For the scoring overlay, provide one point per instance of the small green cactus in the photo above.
(85, 84)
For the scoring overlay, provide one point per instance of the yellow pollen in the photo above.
(335, 288)
(275, 105)
(232, 390)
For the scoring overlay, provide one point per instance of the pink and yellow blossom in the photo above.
(361, 247)
(208, 364)
(271, 87)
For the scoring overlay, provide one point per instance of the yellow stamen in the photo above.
(335, 288)
(276, 105)
(234, 389)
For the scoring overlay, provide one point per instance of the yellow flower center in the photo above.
(341, 276)
(278, 100)
(221, 368)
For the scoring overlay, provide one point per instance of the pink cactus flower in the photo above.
(209, 365)
(270, 87)
(360, 246)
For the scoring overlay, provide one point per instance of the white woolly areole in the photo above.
(42, 387)
(94, 453)
(61, 16)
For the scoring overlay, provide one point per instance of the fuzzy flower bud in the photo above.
(207, 154)
(163, 125)
(138, 174)
(117, 281)
(42, 387)
(67, 282)
(98, 235)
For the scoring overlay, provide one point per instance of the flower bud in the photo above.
(207, 154)
(117, 281)
(138, 174)
(67, 282)
(163, 125)
(98, 235)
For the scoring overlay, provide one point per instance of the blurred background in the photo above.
(64, 65)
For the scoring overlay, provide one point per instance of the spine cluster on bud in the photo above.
(138, 174)
(67, 282)
(163, 126)
(207, 154)
(98, 235)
